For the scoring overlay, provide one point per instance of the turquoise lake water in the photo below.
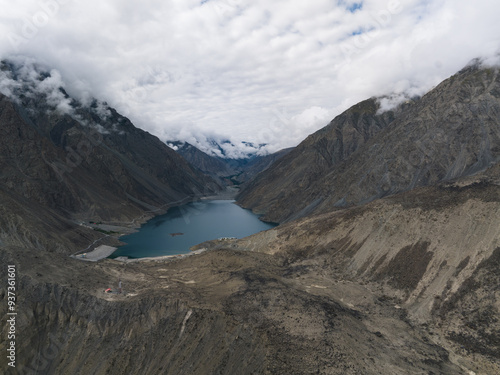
(198, 222)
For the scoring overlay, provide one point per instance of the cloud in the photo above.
(26, 77)
(242, 70)
(7, 84)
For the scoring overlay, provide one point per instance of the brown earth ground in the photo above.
(250, 313)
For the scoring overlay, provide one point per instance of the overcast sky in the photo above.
(247, 70)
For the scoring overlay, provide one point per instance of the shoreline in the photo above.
(229, 194)
(160, 258)
(114, 230)
(99, 253)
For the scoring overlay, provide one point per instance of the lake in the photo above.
(188, 225)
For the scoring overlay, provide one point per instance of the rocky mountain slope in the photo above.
(363, 155)
(258, 164)
(227, 170)
(212, 165)
(71, 161)
(433, 252)
(226, 312)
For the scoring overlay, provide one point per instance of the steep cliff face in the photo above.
(76, 161)
(450, 132)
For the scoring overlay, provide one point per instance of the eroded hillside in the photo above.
(223, 312)
(433, 251)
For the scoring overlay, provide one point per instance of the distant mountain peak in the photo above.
(223, 148)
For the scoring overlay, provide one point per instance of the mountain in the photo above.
(399, 277)
(212, 165)
(433, 253)
(404, 284)
(223, 148)
(220, 312)
(363, 154)
(227, 170)
(258, 164)
(74, 162)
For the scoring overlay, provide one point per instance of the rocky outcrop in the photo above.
(450, 132)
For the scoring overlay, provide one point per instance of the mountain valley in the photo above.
(386, 259)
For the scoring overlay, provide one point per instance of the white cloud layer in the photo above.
(247, 70)
(32, 81)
